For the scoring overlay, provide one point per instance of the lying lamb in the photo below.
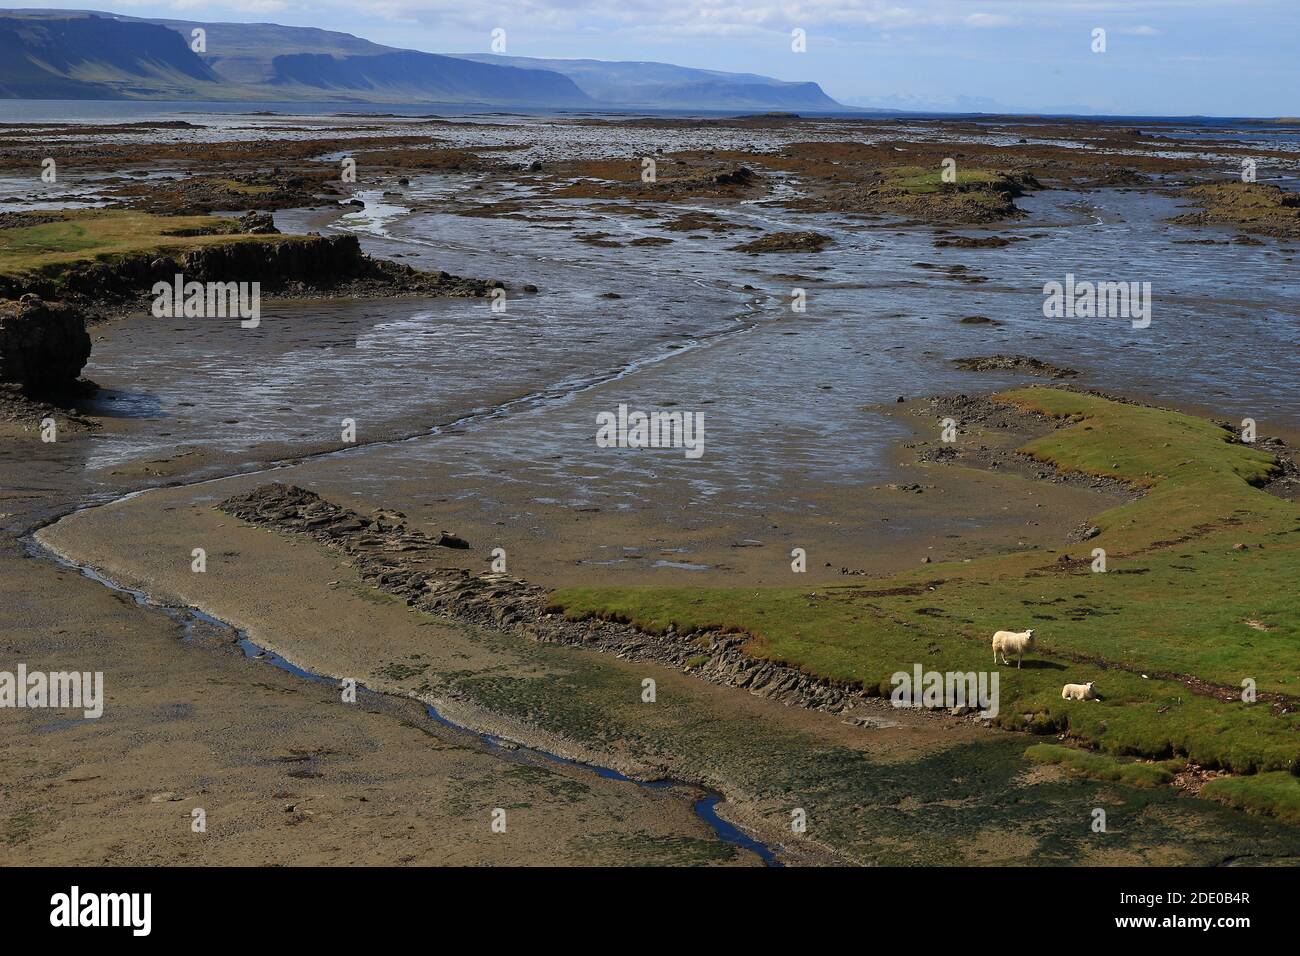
(1011, 642)
(1079, 692)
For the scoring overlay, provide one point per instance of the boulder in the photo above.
(43, 345)
(257, 223)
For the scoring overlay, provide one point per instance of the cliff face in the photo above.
(426, 75)
(94, 58)
(296, 265)
(43, 345)
(52, 54)
(642, 85)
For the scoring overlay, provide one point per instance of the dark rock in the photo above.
(976, 242)
(257, 223)
(786, 242)
(740, 176)
(43, 346)
(1013, 363)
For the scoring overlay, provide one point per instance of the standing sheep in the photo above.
(1079, 692)
(1012, 642)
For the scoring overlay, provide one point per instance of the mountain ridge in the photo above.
(87, 54)
(649, 84)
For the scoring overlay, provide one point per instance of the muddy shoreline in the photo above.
(360, 591)
(473, 723)
(390, 556)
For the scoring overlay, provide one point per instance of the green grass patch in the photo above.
(244, 189)
(90, 235)
(916, 180)
(1276, 794)
(1179, 597)
(1103, 767)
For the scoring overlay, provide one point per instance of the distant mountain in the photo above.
(87, 55)
(78, 54)
(94, 58)
(242, 53)
(418, 77)
(647, 85)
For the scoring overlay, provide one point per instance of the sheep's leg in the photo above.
(1017, 662)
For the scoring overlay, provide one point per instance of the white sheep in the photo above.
(1012, 642)
(1079, 692)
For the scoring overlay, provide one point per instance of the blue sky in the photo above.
(1163, 57)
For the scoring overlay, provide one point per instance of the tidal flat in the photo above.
(515, 278)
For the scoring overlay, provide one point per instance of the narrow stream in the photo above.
(705, 806)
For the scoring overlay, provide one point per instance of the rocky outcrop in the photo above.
(981, 200)
(200, 195)
(257, 223)
(976, 242)
(1013, 363)
(786, 242)
(408, 563)
(285, 266)
(43, 346)
(1261, 208)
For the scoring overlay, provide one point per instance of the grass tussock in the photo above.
(920, 181)
(1276, 794)
(1103, 767)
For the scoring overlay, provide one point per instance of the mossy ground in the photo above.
(88, 235)
(920, 181)
(1179, 597)
(968, 802)
(1276, 793)
(1102, 767)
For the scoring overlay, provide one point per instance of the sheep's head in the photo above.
(1030, 632)
(1088, 685)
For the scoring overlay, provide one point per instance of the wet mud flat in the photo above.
(481, 423)
(333, 617)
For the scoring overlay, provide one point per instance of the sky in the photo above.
(1161, 57)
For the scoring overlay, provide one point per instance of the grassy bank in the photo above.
(1276, 793)
(1199, 587)
(1097, 766)
(80, 237)
(919, 181)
